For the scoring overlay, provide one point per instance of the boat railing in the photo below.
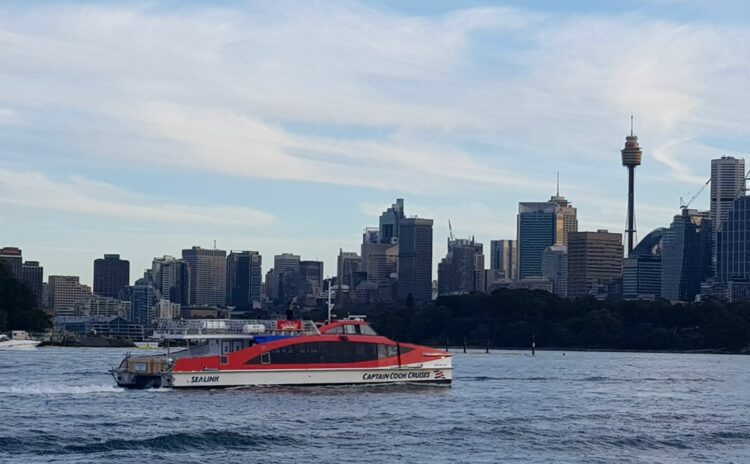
(202, 327)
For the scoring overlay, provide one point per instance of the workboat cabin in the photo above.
(231, 353)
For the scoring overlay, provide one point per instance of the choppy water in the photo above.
(59, 405)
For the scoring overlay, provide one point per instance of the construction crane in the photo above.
(450, 231)
(684, 205)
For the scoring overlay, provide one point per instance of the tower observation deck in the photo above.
(631, 157)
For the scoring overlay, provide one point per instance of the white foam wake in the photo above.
(59, 389)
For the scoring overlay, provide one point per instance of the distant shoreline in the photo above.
(459, 349)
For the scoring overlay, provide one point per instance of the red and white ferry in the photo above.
(231, 353)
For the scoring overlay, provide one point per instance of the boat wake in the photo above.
(58, 389)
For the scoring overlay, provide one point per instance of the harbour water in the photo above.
(59, 405)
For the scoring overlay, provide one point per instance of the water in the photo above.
(59, 405)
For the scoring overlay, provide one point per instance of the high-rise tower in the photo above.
(631, 157)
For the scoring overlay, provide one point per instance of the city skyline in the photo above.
(109, 151)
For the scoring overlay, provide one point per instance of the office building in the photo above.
(555, 268)
(284, 284)
(144, 298)
(12, 258)
(727, 184)
(310, 283)
(594, 259)
(111, 275)
(641, 270)
(462, 269)
(172, 277)
(390, 222)
(415, 260)
(208, 276)
(100, 306)
(32, 274)
(65, 292)
(686, 255)
(244, 277)
(504, 258)
(733, 264)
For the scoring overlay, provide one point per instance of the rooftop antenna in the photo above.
(214, 244)
(558, 183)
(631, 125)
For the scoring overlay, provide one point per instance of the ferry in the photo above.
(236, 353)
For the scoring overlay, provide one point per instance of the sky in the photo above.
(143, 128)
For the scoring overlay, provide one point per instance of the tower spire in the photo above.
(558, 183)
(631, 125)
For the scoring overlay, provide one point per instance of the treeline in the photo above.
(18, 308)
(510, 318)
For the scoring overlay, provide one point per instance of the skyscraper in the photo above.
(111, 275)
(593, 258)
(144, 299)
(504, 258)
(32, 274)
(415, 259)
(641, 270)
(172, 277)
(244, 279)
(13, 260)
(686, 255)
(733, 262)
(462, 269)
(555, 268)
(310, 284)
(208, 276)
(284, 284)
(348, 265)
(65, 292)
(541, 225)
(390, 222)
(727, 184)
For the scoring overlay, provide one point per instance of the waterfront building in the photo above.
(166, 310)
(555, 268)
(641, 270)
(415, 259)
(504, 258)
(65, 292)
(111, 275)
(540, 225)
(208, 276)
(727, 185)
(32, 274)
(244, 276)
(390, 222)
(594, 260)
(13, 260)
(462, 269)
(101, 306)
(686, 255)
(172, 277)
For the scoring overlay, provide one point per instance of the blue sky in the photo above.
(143, 128)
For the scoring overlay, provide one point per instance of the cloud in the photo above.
(79, 195)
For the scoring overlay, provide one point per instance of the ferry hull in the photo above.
(221, 379)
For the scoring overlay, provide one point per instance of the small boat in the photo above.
(19, 340)
(235, 353)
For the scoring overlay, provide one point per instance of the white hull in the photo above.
(339, 376)
(18, 345)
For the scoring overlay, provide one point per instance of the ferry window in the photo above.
(367, 330)
(349, 329)
(223, 359)
(265, 358)
(337, 330)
